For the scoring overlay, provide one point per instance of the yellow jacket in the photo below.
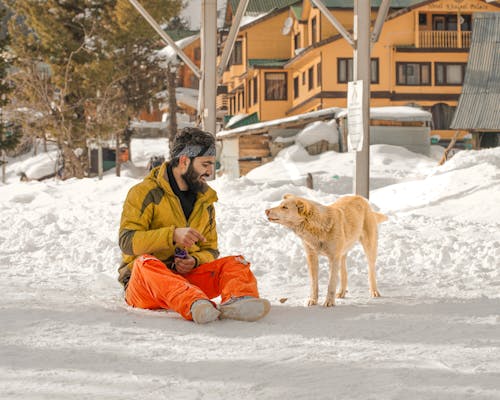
(151, 213)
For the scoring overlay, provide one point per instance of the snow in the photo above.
(235, 118)
(66, 331)
(317, 131)
(168, 55)
(333, 111)
(192, 13)
(396, 113)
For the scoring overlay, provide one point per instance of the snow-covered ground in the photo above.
(65, 331)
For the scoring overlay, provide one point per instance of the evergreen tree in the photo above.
(100, 57)
(10, 134)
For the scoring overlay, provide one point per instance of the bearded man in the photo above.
(168, 238)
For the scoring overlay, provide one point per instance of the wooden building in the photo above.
(291, 60)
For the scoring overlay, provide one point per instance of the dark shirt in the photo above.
(186, 197)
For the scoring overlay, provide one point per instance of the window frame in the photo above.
(314, 30)
(374, 65)
(285, 84)
(445, 64)
(296, 87)
(296, 41)
(420, 64)
(310, 78)
(237, 53)
(255, 90)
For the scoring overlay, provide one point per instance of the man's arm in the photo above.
(135, 237)
(208, 249)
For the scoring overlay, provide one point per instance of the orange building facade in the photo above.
(293, 60)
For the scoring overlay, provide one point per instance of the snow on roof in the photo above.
(402, 113)
(267, 124)
(318, 131)
(168, 54)
(235, 118)
(183, 95)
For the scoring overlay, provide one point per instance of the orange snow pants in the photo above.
(152, 285)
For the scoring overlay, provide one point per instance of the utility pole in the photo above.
(361, 71)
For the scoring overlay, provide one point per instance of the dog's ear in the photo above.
(287, 196)
(303, 207)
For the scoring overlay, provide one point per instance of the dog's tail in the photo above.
(380, 217)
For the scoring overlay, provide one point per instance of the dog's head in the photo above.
(291, 212)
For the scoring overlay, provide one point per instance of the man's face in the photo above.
(197, 173)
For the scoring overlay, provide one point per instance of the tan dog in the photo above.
(331, 231)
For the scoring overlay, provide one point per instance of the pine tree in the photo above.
(10, 134)
(100, 57)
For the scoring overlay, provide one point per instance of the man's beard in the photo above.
(192, 178)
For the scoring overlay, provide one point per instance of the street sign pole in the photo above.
(361, 173)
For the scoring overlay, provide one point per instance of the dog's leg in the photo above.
(369, 243)
(312, 263)
(332, 284)
(343, 278)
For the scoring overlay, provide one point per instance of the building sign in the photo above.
(455, 5)
(355, 115)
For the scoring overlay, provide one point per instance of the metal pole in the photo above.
(209, 64)
(165, 37)
(334, 21)
(231, 37)
(362, 72)
(381, 16)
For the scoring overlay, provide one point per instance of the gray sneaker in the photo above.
(245, 308)
(203, 312)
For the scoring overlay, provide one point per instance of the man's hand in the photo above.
(186, 237)
(184, 265)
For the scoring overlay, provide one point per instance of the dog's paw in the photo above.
(329, 302)
(375, 293)
(341, 294)
(312, 302)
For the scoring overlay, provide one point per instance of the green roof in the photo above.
(248, 120)
(374, 3)
(178, 34)
(297, 10)
(271, 63)
(263, 6)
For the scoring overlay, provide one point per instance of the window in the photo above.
(449, 73)
(413, 73)
(318, 74)
(255, 91)
(237, 54)
(303, 78)
(296, 41)
(275, 85)
(467, 22)
(197, 53)
(422, 19)
(444, 22)
(249, 93)
(314, 30)
(295, 87)
(310, 82)
(345, 71)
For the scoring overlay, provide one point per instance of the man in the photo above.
(168, 239)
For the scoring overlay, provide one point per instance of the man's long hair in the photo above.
(189, 137)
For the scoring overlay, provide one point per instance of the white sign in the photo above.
(355, 115)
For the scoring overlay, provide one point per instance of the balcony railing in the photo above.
(444, 39)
